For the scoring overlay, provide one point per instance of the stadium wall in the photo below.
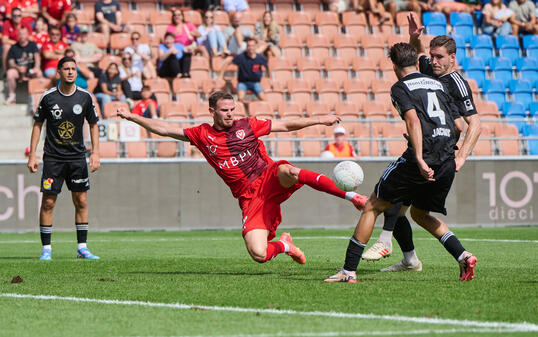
(187, 194)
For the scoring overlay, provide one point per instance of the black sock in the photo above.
(452, 244)
(82, 231)
(353, 254)
(46, 233)
(391, 216)
(403, 234)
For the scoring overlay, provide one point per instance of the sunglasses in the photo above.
(16, 15)
(135, 38)
(126, 59)
(209, 17)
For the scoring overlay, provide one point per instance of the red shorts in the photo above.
(260, 202)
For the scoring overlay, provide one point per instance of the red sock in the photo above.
(273, 249)
(320, 183)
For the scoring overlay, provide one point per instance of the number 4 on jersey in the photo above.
(434, 108)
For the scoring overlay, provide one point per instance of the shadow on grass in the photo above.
(197, 273)
(18, 258)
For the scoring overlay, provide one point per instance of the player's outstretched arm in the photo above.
(301, 123)
(415, 136)
(415, 30)
(159, 127)
(33, 161)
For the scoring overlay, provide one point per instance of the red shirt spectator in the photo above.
(40, 38)
(141, 106)
(12, 31)
(25, 5)
(55, 9)
(51, 46)
(4, 9)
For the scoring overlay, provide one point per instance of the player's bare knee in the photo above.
(47, 205)
(257, 254)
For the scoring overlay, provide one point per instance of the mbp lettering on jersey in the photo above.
(20, 196)
(511, 209)
(423, 83)
(234, 161)
(441, 132)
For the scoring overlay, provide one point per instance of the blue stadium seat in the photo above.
(531, 130)
(522, 92)
(435, 23)
(522, 61)
(508, 46)
(475, 69)
(494, 89)
(482, 46)
(502, 69)
(463, 24)
(460, 45)
(534, 109)
(515, 110)
(530, 41)
(529, 69)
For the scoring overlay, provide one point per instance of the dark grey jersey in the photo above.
(436, 111)
(65, 116)
(458, 87)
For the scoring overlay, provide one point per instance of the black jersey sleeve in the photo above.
(90, 112)
(40, 112)
(462, 94)
(425, 65)
(401, 99)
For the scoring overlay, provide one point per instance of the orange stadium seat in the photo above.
(487, 109)
(147, 7)
(137, 149)
(211, 85)
(301, 24)
(258, 7)
(158, 84)
(396, 38)
(310, 148)
(381, 91)
(216, 65)
(474, 87)
(283, 7)
(373, 46)
(160, 18)
(316, 108)
(385, 65)
(318, 46)
(167, 148)
(136, 19)
(310, 69)
(301, 92)
(260, 109)
(292, 47)
(508, 147)
(355, 23)
(356, 91)
(394, 130)
(329, 93)
(372, 109)
(108, 149)
(403, 23)
(39, 85)
(348, 109)
(107, 59)
(346, 47)
(174, 109)
(385, 28)
(119, 41)
(199, 69)
(221, 18)
(312, 7)
(483, 146)
(240, 110)
(290, 110)
(328, 23)
(367, 147)
(98, 39)
(85, 16)
(337, 69)
(249, 19)
(110, 108)
(186, 91)
(201, 110)
(274, 92)
(365, 69)
(285, 148)
(193, 17)
(281, 69)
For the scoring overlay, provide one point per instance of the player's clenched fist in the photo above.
(121, 112)
(33, 163)
(329, 120)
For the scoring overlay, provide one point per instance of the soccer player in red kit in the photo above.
(233, 149)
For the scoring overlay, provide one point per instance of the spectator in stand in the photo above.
(10, 32)
(70, 29)
(525, 17)
(211, 36)
(236, 34)
(250, 70)
(234, 6)
(395, 6)
(448, 6)
(340, 148)
(497, 18)
(131, 79)
(83, 72)
(141, 54)
(108, 17)
(267, 33)
(206, 5)
(29, 10)
(4, 9)
(87, 52)
(55, 11)
(170, 53)
(24, 62)
(147, 106)
(52, 52)
(41, 34)
(109, 87)
(340, 6)
(185, 33)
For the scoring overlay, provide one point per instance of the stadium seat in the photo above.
(281, 69)
(136, 19)
(174, 109)
(211, 85)
(385, 28)
(367, 147)
(495, 92)
(327, 23)
(98, 39)
(300, 91)
(355, 23)
(107, 59)
(461, 49)
(502, 69)
(274, 92)
(84, 16)
(283, 7)
(310, 6)
(482, 47)
(318, 46)
(521, 91)
(462, 24)
(260, 108)
(137, 149)
(381, 91)
(348, 109)
(515, 110)
(487, 109)
(166, 148)
(530, 41)
(316, 108)
(301, 24)
(285, 147)
(531, 130)
(508, 46)
(310, 69)
(435, 23)
(395, 147)
(392, 39)
(507, 147)
(533, 109)
(483, 146)
(356, 91)
(216, 65)
(292, 47)
(346, 47)
(185, 89)
(328, 92)
(365, 69)
(221, 18)
(110, 108)
(374, 110)
(337, 69)
(528, 69)
(373, 46)
(290, 110)
(476, 69)
(199, 69)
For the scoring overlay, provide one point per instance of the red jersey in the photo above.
(13, 32)
(53, 63)
(56, 8)
(23, 4)
(142, 105)
(40, 38)
(236, 154)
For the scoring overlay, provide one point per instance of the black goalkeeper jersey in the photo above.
(65, 116)
(436, 111)
(457, 86)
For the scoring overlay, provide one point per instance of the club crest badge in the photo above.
(77, 109)
(240, 134)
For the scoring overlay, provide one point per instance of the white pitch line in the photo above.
(239, 238)
(523, 326)
(355, 333)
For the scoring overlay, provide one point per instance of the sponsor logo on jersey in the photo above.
(66, 130)
(77, 109)
(79, 181)
(212, 149)
(468, 105)
(240, 134)
(47, 184)
(235, 160)
(56, 112)
(423, 83)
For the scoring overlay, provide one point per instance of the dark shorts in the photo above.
(402, 182)
(75, 174)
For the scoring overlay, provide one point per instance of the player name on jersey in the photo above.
(423, 83)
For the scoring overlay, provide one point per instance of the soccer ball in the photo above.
(348, 175)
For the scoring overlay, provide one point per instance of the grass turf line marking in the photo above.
(238, 238)
(520, 327)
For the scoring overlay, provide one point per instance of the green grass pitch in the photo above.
(203, 283)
